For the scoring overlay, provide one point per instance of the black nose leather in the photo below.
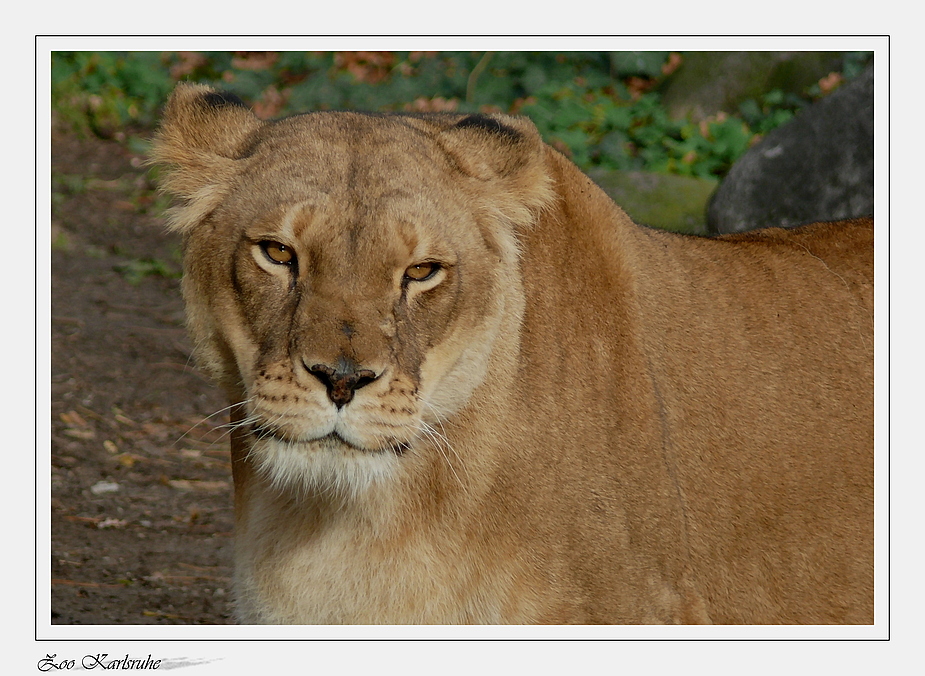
(342, 382)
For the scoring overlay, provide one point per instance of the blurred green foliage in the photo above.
(601, 108)
(136, 270)
(107, 90)
(601, 130)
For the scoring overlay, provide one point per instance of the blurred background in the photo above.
(658, 130)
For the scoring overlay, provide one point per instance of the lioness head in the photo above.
(347, 275)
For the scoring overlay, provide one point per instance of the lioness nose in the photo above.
(343, 381)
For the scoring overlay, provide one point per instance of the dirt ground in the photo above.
(141, 513)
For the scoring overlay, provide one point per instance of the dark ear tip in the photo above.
(489, 124)
(222, 99)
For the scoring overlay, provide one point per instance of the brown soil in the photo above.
(141, 513)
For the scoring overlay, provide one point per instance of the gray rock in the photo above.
(708, 82)
(817, 167)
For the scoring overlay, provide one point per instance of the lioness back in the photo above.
(468, 389)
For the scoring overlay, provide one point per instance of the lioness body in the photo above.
(475, 392)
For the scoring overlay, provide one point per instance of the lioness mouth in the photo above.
(332, 439)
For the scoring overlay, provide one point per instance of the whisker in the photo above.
(230, 427)
(440, 418)
(441, 442)
(212, 415)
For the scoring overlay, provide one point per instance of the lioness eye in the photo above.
(278, 252)
(421, 271)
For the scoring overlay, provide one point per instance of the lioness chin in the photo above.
(468, 389)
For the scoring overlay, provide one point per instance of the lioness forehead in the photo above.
(354, 125)
(348, 142)
(362, 163)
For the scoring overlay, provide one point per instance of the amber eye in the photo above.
(278, 252)
(421, 272)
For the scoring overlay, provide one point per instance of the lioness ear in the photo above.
(507, 155)
(202, 135)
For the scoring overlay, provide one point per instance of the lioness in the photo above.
(468, 389)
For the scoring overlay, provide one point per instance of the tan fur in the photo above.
(577, 420)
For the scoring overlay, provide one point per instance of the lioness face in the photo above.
(352, 291)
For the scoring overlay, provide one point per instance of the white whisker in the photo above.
(208, 417)
(440, 441)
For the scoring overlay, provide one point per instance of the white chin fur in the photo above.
(324, 467)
